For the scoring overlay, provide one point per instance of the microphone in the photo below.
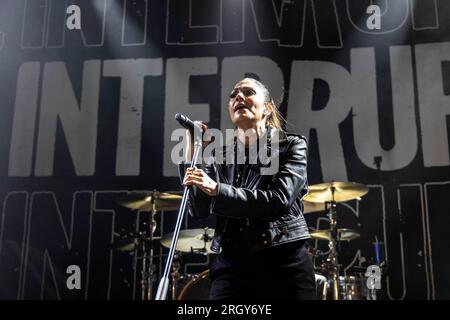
(187, 123)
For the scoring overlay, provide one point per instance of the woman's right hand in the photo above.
(190, 141)
(199, 178)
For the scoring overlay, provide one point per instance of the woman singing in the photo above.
(260, 231)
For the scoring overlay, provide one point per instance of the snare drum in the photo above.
(353, 287)
(197, 288)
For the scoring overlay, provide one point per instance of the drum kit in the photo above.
(324, 197)
(331, 277)
(190, 241)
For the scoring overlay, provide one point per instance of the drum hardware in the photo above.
(197, 288)
(143, 244)
(179, 281)
(344, 234)
(196, 241)
(311, 207)
(330, 194)
(199, 240)
(376, 269)
(317, 257)
(191, 240)
(353, 287)
(176, 276)
(151, 201)
(129, 246)
(321, 285)
(332, 244)
(148, 267)
(335, 192)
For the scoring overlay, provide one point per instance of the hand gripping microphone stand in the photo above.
(164, 282)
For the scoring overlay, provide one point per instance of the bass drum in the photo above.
(197, 288)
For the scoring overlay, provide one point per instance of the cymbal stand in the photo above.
(144, 274)
(333, 256)
(164, 282)
(148, 268)
(175, 275)
(205, 238)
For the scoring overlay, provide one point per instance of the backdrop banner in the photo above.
(88, 94)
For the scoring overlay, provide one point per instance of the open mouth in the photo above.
(240, 106)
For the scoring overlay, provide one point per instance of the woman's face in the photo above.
(246, 106)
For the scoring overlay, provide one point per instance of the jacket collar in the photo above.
(272, 146)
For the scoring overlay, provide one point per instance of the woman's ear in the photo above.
(267, 109)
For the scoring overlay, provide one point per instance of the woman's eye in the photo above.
(245, 92)
(249, 92)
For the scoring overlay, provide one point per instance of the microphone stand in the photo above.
(163, 286)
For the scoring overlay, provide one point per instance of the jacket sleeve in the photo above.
(199, 203)
(267, 204)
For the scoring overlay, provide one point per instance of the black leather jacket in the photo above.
(266, 210)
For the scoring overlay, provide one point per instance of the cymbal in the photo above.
(344, 234)
(343, 191)
(151, 201)
(191, 240)
(131, 244)
(310, 207)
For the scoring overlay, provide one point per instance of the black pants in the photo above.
(283, 272)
